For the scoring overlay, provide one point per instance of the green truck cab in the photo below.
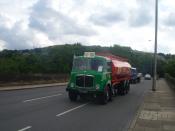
(90, 75)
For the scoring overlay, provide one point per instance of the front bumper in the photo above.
(84, 91)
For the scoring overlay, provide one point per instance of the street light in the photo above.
(155, 47)
(152, 59)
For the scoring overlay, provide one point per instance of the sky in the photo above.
(27, 24)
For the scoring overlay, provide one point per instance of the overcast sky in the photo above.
(26, 24)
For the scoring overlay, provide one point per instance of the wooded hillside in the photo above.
(58, 59)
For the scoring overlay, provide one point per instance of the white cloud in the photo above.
(142, 14)
(54, 23)
(19, 36)
(38, 23)
(170, 20)
(2, 44)
(107, 18)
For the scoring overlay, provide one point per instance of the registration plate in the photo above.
(83, 91)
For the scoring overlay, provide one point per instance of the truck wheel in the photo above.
(135, 81)
(105, 97)
(110, 94)
(122, 88)
(72, 96)
(121, 91)
(128, 87)
(139, 80)
(115, 92)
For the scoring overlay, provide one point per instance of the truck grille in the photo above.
(84, 81)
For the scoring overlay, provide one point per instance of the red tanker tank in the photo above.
(121, 69)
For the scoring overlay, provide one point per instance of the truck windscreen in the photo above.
(88, 64)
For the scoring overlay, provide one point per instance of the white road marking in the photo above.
(25, 128)
(39, 98)
(65, 112)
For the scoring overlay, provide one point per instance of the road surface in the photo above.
(49, 109)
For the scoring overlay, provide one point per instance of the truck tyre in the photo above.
(72, 96)
(122, 88)
(110, 93)
(119, 91)
(135, 81)
(114, 92)
(128, 87)
(105, 97)
(139, 80)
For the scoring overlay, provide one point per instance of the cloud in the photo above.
(141, 15)
(79, 2)
(13, 35)
(39, 23)
(139, 19)
(44, 27)
(19, 36)
(44, 18)
(16, 37)
(170, 20)
(107, 18)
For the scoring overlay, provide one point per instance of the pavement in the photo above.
(30, 86)
(157, 111)
(49, 109)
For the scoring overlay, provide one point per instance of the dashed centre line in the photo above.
(25, 128)
(39, 98)
(65, 112)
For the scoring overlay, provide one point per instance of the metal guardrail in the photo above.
(171, 80)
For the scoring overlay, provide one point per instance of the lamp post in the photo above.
(155, 47)
(152, 59)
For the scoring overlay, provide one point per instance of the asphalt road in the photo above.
(49, 109)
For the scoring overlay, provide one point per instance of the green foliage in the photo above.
(170, 67)
(58, 59)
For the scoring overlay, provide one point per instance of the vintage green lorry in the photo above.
(99, 76)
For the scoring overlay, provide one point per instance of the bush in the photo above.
(170, 67)
(170, 79)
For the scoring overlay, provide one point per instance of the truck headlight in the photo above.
(97, 87)
(72, 85)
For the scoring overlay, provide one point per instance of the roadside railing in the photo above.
(170, 80)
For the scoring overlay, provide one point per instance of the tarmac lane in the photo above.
(49, 109)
